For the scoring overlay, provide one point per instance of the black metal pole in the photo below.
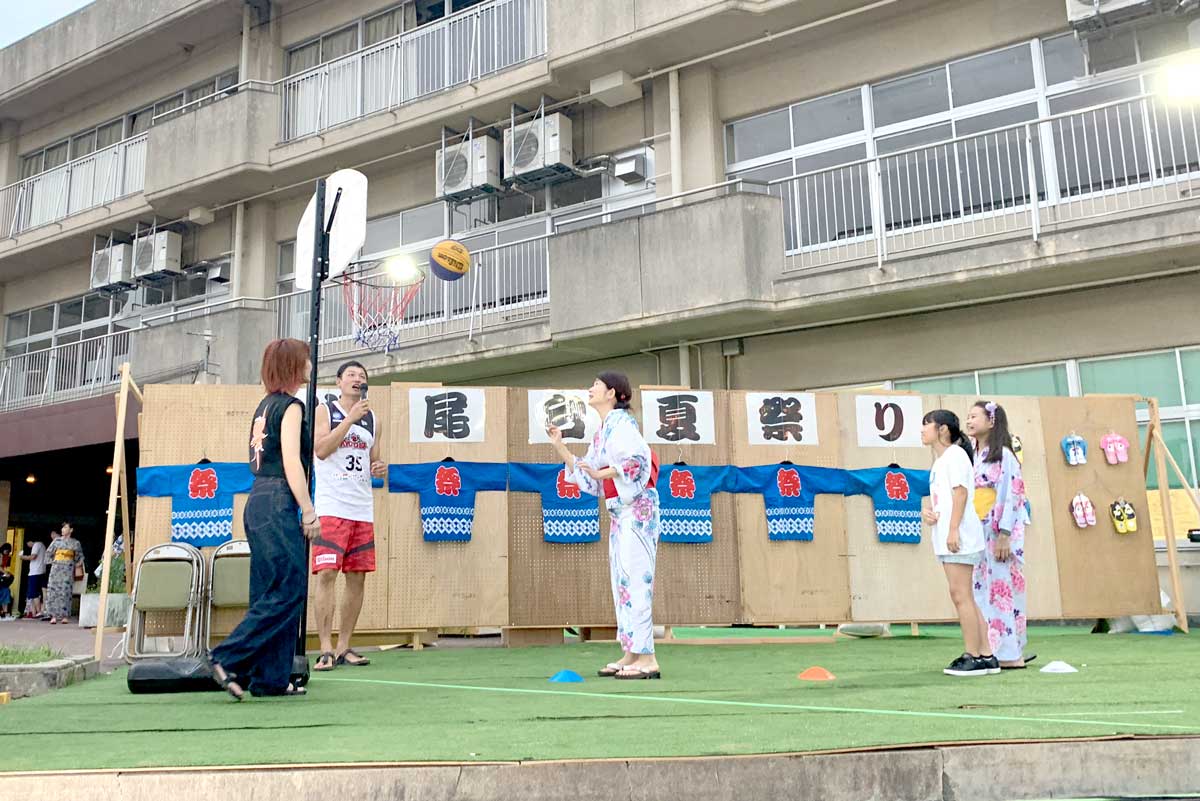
(320, 270)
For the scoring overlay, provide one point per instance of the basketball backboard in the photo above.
(349, 226)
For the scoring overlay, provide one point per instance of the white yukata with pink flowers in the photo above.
(1000, 586)
(634, 524)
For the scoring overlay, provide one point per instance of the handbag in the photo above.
(78, 571)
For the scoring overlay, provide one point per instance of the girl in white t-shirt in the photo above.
(957, 535)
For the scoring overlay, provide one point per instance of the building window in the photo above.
(1050, 379)
(84, 143)
(959, 384)
(335, 44)
(910, 97)
(1153, 374)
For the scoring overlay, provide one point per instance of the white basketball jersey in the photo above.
(344, 479)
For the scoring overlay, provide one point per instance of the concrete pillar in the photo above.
(702, 152)
(675, 131)
(685, 365)
(262, 54)
(10, 156)
(256, 250)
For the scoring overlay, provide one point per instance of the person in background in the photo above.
(1000, 504)
(279, 515)
(37, 576)
(65, 556)
(957, 535)
(6, 582)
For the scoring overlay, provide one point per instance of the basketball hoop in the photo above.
(377, 299)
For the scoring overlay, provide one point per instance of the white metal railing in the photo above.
(507, 285)
(1116, 157)
(212, 97)
(62, 373)
(87, 182)
(459, 49)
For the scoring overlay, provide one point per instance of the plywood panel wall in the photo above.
(791, 581)
(1102, 573)
(448, 584)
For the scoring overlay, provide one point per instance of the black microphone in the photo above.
(362, 391)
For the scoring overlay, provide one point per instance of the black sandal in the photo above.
(1026, 659)
(328, 660)
(362, 660)
(227, 681)
(633, 672)
(294, 690)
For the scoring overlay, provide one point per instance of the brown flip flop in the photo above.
(362, 661)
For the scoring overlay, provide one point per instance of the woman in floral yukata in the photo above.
(620, 467)
(1000, 504)
(65, 557)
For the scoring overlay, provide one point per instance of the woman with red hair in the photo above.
(279, 517)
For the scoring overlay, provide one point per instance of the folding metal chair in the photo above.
(169, 578)
(229, 581)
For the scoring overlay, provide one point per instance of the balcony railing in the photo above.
(460, 49)
(1117, 157)
(63, 373)
(87, 182)
(507, 285)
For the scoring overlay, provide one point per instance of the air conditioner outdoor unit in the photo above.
(112, 266)
(1089, 15)
(469, 168)
(157, 254)
(539, 150)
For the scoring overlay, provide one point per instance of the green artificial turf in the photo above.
(726, 699)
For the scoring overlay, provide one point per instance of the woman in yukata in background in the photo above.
(1000, 504)
(65, 558)
(620, 467)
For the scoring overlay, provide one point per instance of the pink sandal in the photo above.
(1122, 447)
(1077, 511)
(1089, 511)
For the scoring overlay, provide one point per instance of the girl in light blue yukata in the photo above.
(619, 467)
(1000, 504)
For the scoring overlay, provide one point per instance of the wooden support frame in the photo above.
(1154, 440)
(118, 487)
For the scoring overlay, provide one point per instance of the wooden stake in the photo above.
(1195, 498)
(1164, 497)
(126, 531)
(1146, 452)
(114, 484)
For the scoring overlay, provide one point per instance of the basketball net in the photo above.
(377, 303)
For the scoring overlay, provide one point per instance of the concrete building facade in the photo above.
(942, 196)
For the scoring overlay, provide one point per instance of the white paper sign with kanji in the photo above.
(781, 418)
(678, 417)
(889, 421)
(446, 414)
(565, 408)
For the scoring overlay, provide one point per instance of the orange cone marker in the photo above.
(816, 673)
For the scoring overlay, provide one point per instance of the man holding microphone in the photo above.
(347, 456)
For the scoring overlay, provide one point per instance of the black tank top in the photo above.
(266, 452)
